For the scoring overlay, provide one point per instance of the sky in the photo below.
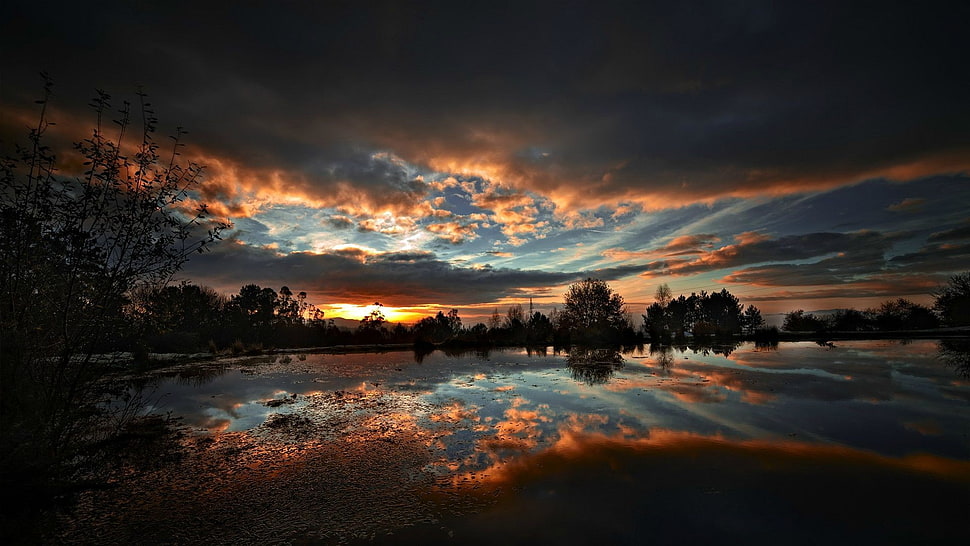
(474, 155)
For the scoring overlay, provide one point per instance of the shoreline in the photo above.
(962, 332)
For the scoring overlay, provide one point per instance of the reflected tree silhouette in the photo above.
(537, 351)
(702, 347)
(765, 345)
(421, 351)
(955, 353)
(663, 355)
(593, 366)
(197, 375)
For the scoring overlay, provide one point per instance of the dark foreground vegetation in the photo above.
(87, 255)
(77, 238)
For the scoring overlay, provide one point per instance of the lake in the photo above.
(857, 442)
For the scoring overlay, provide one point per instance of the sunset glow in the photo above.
(352, 311)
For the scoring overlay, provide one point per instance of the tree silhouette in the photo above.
(177, 318)
(439, 328)
(656, 321)
(288, 308)
(495, 321)
(593, 312)
(539, 329)
(719, 312)
(716, 313)
(903, 314)
(371, 328)
(454, 322)
(852, 320)
(514, 317)
(799, 321)
(751, 319)
(952, 301)
(253, 311)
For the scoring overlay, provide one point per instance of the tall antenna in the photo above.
(530, 307)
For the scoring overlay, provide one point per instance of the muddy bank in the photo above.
(348, 466)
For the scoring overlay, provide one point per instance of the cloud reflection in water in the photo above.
(675, 444)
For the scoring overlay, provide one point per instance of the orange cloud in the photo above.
(682, 245)
(908, 205)
(228, 184)
(621, 184)
(575, 441)
(387, 223)
(573, 219)
(690, 242)
(453, 232)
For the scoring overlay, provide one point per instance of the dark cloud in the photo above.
(688, 101)
(856, 252)
(354, 275)
(860, 271)
(847, 265)
(934, 257)
(395, 278)
(884, 289)
(405, 257)
(961, 233)
(843, 269)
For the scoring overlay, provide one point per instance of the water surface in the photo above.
(864, 441)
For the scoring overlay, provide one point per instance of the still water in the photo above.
(857, 442)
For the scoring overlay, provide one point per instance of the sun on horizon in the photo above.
(353, 311)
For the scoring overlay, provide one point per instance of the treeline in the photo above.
(188, 318)
(894, 315)
(951, 308)
(717, 314)
(720, 315)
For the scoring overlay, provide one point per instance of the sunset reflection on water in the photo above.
(864, 441)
